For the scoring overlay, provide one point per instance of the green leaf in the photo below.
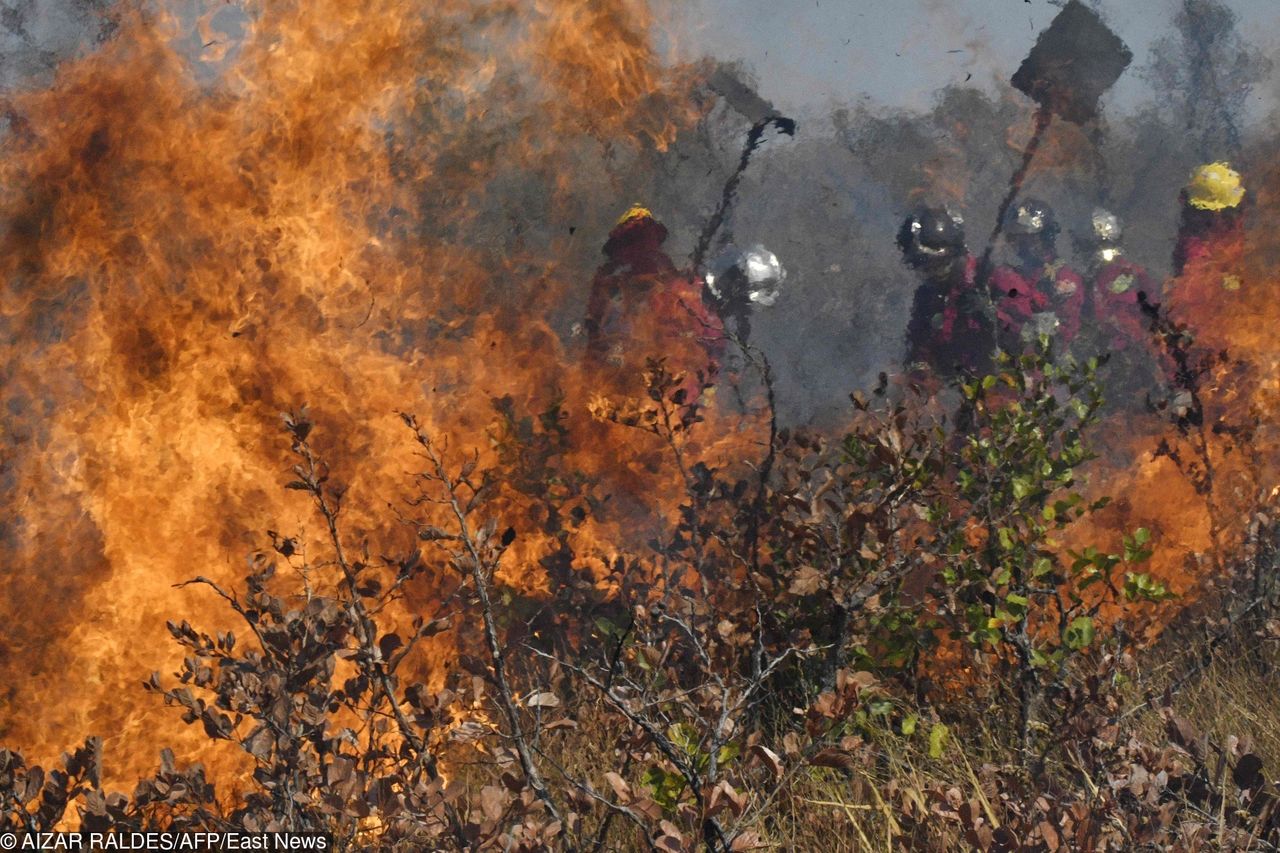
(1134, 552)
(1017, 603)
(683, 736)
(1079, 634)
(937, 740)
(1139, 586)
(666, 787)
(909, 725)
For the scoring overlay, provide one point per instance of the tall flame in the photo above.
(299, 214)
(363, 207)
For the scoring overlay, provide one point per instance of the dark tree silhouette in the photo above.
(1206, 71)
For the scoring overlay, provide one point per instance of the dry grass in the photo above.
(1238, 694)
(815, 808)
(859, 808)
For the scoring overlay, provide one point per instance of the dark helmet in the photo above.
(931, 234)
(1032, 218)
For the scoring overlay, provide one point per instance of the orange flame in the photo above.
(330, 220)
(188, 258)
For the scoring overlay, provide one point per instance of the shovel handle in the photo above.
(754, 137)
(1042, 119)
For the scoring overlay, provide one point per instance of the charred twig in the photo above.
(664, 745)
(313, 477)
(612, 809)
(479, 566)
(1186, 376)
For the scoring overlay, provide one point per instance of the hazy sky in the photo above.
(811, 54)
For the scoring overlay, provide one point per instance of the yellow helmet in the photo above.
(637, 211)
(1214, 186)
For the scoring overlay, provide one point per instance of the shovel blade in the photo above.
(1075, 60)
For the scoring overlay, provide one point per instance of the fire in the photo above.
(357, 207)
(578, 41)
(187, 257)
(1200, 491)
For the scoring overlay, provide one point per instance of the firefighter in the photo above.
(738, 281)
(1037, 294)
(950, 330)
(641, 306)
(1117, 286)
(1209, 252)
(1113, 320)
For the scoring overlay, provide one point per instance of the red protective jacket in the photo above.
(641, 306)
(1017, 300)
(1116, 312)
(1065, 291)
(1208, 264)
(1052, 288)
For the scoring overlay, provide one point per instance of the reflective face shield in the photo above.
(755, 275)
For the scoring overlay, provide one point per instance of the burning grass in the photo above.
(546, 612)
(885, 637)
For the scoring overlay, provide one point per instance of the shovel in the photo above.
(1074, 61)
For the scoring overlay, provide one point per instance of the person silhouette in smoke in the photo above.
(1113, 321)
(738, 282)
(950, 328)
(1209, 253)
(642, 306)
(1037, 294)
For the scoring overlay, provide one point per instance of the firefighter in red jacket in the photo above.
(1114, 323)
(1209, 253)
(1112, 306)
(641, 306)
(1037, 294)
(949, 331)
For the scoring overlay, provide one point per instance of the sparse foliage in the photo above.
(887, 626)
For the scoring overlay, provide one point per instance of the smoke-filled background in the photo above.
(912, 103)
(896, 107)
(216, 212)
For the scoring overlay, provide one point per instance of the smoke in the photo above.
(213, 214)
(361, 210)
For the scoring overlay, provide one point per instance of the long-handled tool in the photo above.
(1074, 61)
(762, 116)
